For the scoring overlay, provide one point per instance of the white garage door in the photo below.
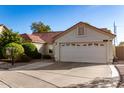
(83, 52)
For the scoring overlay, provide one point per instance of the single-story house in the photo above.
(80, 43)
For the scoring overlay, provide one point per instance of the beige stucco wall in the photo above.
(40, 47)
(49, 46)
(43, 48)
(110, 53)
(90, 36)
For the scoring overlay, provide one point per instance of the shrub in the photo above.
(19, 50)
(38, 56)
(46, 57)
(24, 58)
(31, 50)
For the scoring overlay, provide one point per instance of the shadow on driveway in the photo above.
(39, 65)
(65, 66)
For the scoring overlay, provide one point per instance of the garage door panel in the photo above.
(83, 54)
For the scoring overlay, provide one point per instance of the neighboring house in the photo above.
(80, 43)
(2, 28)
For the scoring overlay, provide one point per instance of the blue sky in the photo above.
(59, 18)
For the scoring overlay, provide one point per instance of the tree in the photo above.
(8, 36)
(40, 27)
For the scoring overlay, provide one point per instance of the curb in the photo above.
(115, 75)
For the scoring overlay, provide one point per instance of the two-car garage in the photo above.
(83, 52)
(84, 43)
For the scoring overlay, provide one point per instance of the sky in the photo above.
(61, 17)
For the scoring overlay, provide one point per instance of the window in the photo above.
(62, 44)
(67, 44)
(50, 51)
(96, 44)
(84, 44)
(81, 31)
(101, 44)
(78, 44)
(105, 40)
(73, 44)
(90, 44)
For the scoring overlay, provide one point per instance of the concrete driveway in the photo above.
(50, 75)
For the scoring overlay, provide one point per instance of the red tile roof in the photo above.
(47, 36)
(32, 38)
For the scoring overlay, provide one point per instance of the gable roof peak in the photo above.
(87, 24)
